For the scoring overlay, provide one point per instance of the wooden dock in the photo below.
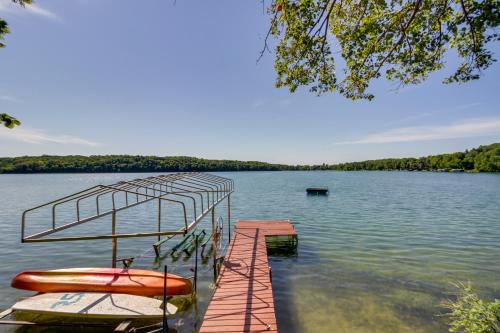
(243, 299)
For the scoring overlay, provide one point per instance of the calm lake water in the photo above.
(378, 254)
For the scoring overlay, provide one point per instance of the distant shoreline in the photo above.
(222, 171)
(481, 159)
(260, 171)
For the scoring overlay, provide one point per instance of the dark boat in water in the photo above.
(317, 190)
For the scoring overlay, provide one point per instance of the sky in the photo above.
(171, 78)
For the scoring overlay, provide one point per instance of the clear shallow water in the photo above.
(378, 254)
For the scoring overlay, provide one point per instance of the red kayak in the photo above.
(108, 280)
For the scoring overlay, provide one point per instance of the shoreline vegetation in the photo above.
(481, 159)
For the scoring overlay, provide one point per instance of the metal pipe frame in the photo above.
(196, 187)
(212, 189)
(172, 182)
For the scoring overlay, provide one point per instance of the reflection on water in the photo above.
(376, 255)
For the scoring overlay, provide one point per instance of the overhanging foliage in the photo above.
(404, 40)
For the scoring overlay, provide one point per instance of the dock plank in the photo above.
(243, 300)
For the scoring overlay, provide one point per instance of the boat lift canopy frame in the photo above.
(205, 191)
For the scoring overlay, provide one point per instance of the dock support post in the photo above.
(214, 245)
(229, 217)
(113, 240)
(196, 264)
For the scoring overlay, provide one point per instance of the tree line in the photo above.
(481, 159)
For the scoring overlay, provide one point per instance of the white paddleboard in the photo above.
(94, 305)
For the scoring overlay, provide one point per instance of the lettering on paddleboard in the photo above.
(68, 299)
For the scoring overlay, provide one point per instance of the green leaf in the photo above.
(9, 121)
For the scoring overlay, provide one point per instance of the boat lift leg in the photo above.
(196, 264)
(229, 217)
(214, 245)
(113, 240)
(159, 218)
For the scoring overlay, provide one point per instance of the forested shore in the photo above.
(481, 159)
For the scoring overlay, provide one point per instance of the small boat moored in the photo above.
(317, 190)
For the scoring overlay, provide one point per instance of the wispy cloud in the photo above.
(37, 10)
(36, 136)
(7, 6)
(467, 106)
(9, 98)
(452, 109)
(463, 129)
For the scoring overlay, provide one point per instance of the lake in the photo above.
(379, 254)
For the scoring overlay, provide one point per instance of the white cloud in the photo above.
(7, 6)
(463, 129)
(36, 136)
(37, 10)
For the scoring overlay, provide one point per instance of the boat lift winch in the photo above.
(195, 193)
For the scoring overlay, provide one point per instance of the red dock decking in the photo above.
(243, 299)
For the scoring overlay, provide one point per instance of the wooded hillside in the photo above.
(481, 159)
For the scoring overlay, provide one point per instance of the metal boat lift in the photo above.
(195, 193)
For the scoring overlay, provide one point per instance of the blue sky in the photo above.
(158, 78)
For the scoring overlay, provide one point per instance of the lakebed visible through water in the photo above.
(379, 254)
